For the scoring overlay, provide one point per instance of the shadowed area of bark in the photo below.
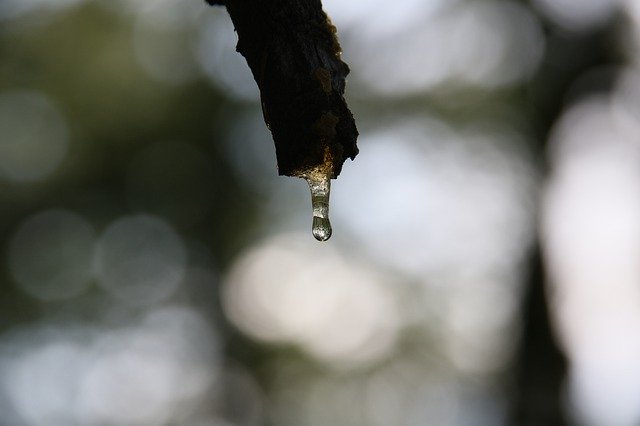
(294, 55)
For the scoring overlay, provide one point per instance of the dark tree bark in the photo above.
(541, 365)
(294, 55)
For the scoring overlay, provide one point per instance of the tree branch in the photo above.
(294, 55)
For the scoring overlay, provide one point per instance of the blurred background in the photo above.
(485, 263)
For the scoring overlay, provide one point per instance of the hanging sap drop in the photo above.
(320, 186)
(321, 228)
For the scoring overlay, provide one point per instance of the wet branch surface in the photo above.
(294, 55)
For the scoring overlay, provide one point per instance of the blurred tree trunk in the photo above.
(540, 365)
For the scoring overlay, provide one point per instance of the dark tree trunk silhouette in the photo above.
(541, 366)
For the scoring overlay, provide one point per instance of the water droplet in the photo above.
(320, 186)
(321, 228)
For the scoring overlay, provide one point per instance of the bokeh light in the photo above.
(400, 393)
(51, 255)
(44, 381)
(140, 259)
(289, 291)
(578, 15)
(156, 270)
(429, 45)
(163, 50)
(416, 216)
(218, 59)
(144, 375)
(591, 228)
(35, 137)
(154, 371)
(12, 9)
(250, 153)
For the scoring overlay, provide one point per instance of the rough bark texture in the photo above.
(294, 55)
